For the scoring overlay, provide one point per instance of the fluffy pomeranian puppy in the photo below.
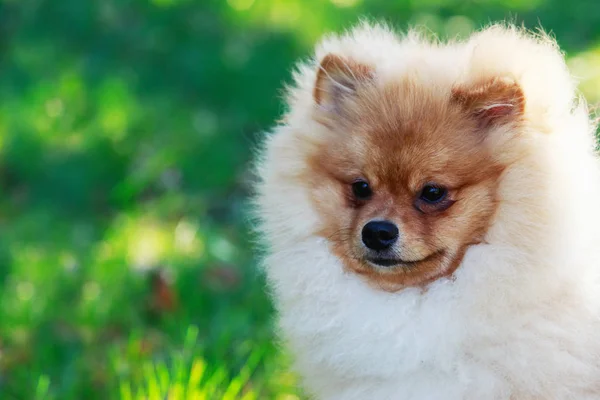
(432, 218)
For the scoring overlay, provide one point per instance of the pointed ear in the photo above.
(337, 80)
(495, 102)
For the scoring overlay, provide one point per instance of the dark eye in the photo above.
(433, 194)
(361, 190)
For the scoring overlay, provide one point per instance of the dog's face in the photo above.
(405, 178)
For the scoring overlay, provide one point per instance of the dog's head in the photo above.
(401, 150)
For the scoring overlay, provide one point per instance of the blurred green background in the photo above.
(126, 127)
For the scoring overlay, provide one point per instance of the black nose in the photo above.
(379, 235)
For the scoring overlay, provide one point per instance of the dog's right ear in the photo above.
(498, 101)
(338, 79)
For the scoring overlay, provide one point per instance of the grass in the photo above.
(126, 264)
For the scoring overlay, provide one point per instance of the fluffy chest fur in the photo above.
(450, 342)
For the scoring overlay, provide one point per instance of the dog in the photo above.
(430, 212)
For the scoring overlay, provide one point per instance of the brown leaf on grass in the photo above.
(149, 344)
(16, 356)
(163, 297)
(222, 277)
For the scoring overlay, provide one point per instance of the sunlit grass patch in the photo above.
(185, 374)
(189, 381)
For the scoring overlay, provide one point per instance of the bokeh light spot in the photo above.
(147, 245)
(285, 14)
(25, 291)
(91, 291)
(205, 122)
(240, 5)
(345, 3)
(54, 107)
(459, 26)
(187, 240)
(222, 248)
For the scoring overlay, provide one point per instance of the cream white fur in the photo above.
(521, 317)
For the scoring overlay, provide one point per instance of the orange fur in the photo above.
(400, 137)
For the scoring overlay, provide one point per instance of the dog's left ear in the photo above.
(495, 102)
